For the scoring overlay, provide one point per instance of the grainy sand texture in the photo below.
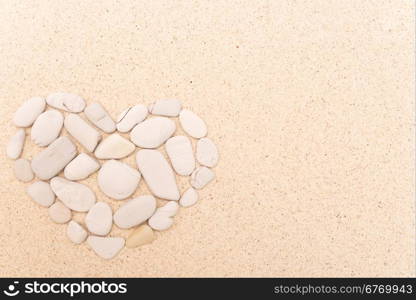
(311, 104)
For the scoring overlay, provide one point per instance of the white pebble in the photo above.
(29, 111)
(49, 162)
(66, 101)
(106, 247)
(166, 107)
(189, 197)
(74, 195)
(114, 146)
(201, 177)
(86, 135)
(99, 219)
(179, 149)
(59, 213)
(158, 174)
(47, 127)
(206, 152)
(41, 193)
(153, 132)
(135, 211)
(96, 113)
(131, 117)
(76, 233)
(163, 217)
(192, 124)
(117, 180)
(22, 170)
(81, 167)
(15, 145)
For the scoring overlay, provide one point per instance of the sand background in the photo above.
(310, 102)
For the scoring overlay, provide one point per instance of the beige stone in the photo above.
(140, 236)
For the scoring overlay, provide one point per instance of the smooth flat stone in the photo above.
(29, 111)
(74, 195)
(135, 211)
(81, 167)
(41, 192)
(85, 134)
(99, 219)
(181, 155)
(75, 232)
(131, 117)
(140, 236)
(47, 127)
(189, 198)
(201, 177)
(106, 247)
(117, 180)
(158, 174)
(153, 132)
(98, 116)
(66, 101)
(59, 213)
(206, 152)
(166, 107)
(15, 146)
(162, 219)
(52, 160)
(192, 124)
(114, 147)
(22, 170)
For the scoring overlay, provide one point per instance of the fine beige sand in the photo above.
(310, 102)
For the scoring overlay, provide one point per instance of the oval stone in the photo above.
(153, 132)
(74, 195)
(131, 117)
(29, 111)
(135, 211)
(117, 180)
(99, 219)
(66, 101)
(47, 127)
(192, 124)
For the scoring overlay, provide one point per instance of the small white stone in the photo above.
(192, 124)
(50, 161)
(29, 111)
(206, 152)
(85, 134)
(189, 197)
(131, 117)
(81, 167)
(15, 145)
(59, 213)
(117, 180)
(22, 170)
(114, 146)
(135, 211)
(76, 233)
(99, 219)
(162, 219)
(96, 113)
(66, 101)
(106, 247)
(74, 195)
(41, 193)
(158, 174)
(179, 149)
(47, 127)
(153, 132)
(166, 107)
(201, 177)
